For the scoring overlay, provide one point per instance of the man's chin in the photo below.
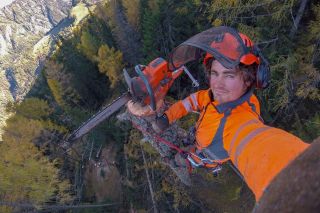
(219, 99)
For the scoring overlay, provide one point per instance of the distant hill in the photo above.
(28, 31)
(4, 3)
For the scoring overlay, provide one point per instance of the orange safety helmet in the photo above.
(227, 46)
(246, 59)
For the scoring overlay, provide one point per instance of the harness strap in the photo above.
(253, 107)
(216, 150)
(222, 108)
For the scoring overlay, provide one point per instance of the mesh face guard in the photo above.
(223, 43)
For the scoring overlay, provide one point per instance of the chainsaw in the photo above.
(151, 85)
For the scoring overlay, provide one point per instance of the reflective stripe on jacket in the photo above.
(258, 151)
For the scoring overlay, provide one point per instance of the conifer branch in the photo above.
(249, 6)
(268, 41)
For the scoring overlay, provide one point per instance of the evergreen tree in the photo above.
(110, 63)
(88, 45)
(27, 176)
(132, 12)
(166, 24)
(150, 31)
(60, 84)
(32, 108)
(76, 76)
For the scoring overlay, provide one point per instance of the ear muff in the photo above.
(263, 76)
(263, 71)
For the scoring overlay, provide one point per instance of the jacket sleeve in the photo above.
(192, 103)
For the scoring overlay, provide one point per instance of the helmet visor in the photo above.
(223, 43)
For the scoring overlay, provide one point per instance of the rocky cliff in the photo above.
(28, 31)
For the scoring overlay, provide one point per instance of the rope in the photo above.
(158, 139)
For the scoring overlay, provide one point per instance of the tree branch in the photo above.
(268, 41)
(297, 20)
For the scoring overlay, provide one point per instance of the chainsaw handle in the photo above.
(138, 70)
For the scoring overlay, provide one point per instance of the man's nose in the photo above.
(217, 81)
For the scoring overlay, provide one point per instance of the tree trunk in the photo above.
(297, 20)
(155, 209)
(126, 163)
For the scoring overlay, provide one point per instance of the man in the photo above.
(229, 125)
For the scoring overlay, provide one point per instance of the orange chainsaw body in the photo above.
(152, 83)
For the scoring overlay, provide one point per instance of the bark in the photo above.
(173, 134)
(315, 55)
(91, 150)
(98, 152)
(126, 162)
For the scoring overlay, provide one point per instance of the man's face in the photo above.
(226, 84)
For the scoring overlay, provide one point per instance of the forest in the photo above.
(85, 73)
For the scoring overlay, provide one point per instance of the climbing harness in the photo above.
(159, 140)
(202, 162)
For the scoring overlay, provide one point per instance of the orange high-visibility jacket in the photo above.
(258, 151)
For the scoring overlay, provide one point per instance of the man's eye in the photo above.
(230, 76)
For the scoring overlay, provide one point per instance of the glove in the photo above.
(139, 110)
(160, 124)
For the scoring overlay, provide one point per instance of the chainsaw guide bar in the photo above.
(100, 116)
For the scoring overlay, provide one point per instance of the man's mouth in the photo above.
(219, 91)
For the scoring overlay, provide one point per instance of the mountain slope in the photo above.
(28, 31)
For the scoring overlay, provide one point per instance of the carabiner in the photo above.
(193, 163)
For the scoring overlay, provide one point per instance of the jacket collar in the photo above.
(222, 108)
